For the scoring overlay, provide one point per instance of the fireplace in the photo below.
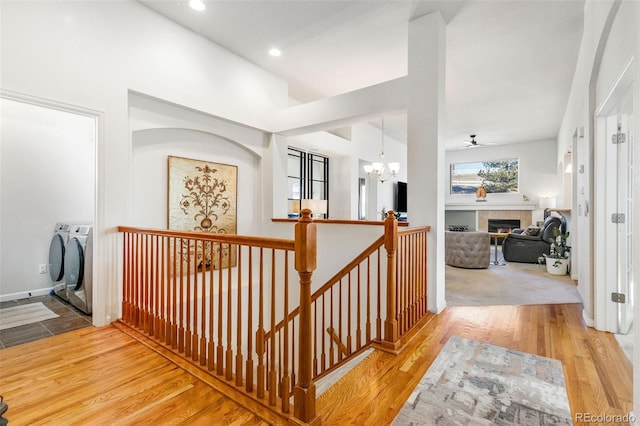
(503, 225)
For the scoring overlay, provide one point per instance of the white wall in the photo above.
(90, 54)
(47, 169)
(163, 130)
(538, 171)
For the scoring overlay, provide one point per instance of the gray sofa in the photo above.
(467, 249)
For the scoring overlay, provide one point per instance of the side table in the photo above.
(496, 236)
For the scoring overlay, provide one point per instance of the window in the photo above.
(495, 176)
(308, 178)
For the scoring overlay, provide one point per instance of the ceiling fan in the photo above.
(473, 143)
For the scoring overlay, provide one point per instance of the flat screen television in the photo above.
(400, 204)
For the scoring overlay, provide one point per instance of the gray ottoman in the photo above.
(467, 249)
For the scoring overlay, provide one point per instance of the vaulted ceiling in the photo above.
(509, 66)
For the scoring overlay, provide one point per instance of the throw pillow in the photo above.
(531, 230)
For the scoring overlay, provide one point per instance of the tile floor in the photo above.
(70, 319)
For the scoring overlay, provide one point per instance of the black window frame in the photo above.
(306, 161)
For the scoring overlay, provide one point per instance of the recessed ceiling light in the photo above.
(275, 52)
(197, 5)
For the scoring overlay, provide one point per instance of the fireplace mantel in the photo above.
(491, 205)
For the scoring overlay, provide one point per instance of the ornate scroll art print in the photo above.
(202, 198)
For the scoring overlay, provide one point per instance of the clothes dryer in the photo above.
(78, 265)
(56, 258)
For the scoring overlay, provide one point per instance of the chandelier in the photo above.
(382, 170)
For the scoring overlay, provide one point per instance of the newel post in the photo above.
(391, 246)
(304, 392)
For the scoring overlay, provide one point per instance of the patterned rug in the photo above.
(474, 383)
(24, 314)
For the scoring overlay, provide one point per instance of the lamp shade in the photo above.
(316, 206)
(547, 202)
(294, 206)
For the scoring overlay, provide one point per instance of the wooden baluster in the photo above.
(358, 315)
(260, 350)
(162, 304)
(174, 290)
(424, 270)
(181, 300)
(305, 262)
(249, 366)
(349, 304)
(188, 337)
(315, 338)
(391, 245)
(155, 249)
(239, 324)
(379, 301)
(126, 278)
(340, 316)
(286, 380)
(404, 284)
(293, 355)
(138, 282)
(147, 284)
(150, 285)
(331, 350)
(229, 352)
(368, 325)
(212, 309)
(203, 306)
(323, 357)
(272, 365)
(193, 321)
(220, 348)
(415, 277)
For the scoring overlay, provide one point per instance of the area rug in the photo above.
(24, 314)
(474, 383)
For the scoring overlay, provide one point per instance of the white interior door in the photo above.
(613, 243)
(618, 198)
(624, 235)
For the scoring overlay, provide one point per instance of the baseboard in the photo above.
(589, 321)
(25, 294)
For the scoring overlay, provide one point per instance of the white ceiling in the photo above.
(510, 63)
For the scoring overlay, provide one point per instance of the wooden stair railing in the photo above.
(395, 288)
(209, 297)
(222, 303)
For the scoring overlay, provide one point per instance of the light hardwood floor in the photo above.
(103, 376)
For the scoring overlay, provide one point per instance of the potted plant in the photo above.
(558, 259)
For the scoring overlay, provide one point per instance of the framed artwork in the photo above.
(493, 176)
(203, 197)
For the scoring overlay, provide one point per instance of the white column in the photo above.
(425, 154)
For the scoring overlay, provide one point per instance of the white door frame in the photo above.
(605, 310)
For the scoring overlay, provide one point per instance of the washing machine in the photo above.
(56, 258)
(78, 267)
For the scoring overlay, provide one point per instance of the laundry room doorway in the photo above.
(47, 177)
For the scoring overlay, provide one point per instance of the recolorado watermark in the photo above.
(606, 418)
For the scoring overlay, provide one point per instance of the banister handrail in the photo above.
(414, 230)
(333, 280)
(264, 242)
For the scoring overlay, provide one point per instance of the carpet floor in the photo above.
(509, 284)
(474, 383)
